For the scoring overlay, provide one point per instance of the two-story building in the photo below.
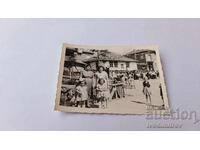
(112, 61)
(146, 59)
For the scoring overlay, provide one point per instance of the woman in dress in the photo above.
(101, 74)
(88, 75)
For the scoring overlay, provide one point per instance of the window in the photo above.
(142, 56)
(111, 64)
(116, 64)
(127, 64)
(122, 66)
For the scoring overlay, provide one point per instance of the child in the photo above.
(81, 94)
(131, 82)
(147, 91)
(102, 92)
(63, 96)
(70, 98)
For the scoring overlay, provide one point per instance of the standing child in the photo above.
(102, 92)
(70, 98)
(147, 91)
(131, 81)
(81, 94)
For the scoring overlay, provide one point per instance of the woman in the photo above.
(101, 74)
(88, 75)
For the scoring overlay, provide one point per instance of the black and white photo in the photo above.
(111, 79)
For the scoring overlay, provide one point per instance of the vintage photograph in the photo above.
(111, 79)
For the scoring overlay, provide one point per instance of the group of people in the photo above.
(126, 78)
(93, 88)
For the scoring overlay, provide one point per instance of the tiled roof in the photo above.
(110, 56)
(135, 51)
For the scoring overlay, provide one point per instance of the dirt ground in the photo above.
(135, 99)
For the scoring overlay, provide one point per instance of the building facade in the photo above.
(146, 59)
(123, 65)
(113, 62)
